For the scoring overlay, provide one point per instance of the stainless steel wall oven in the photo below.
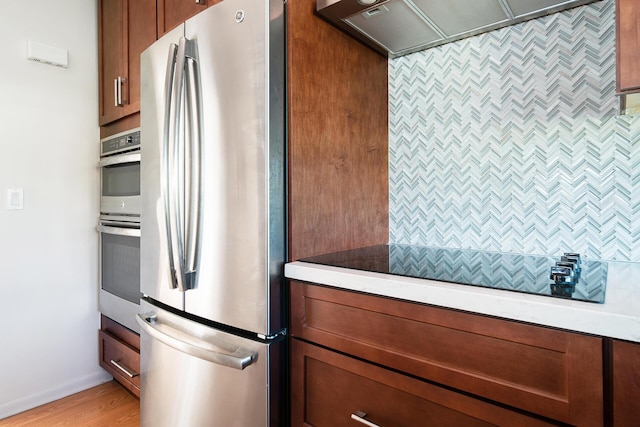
(120, 174)
(119, 227)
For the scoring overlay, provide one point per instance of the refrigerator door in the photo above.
(241, 253)
(212, 129)
(155, 265)
(194, 375)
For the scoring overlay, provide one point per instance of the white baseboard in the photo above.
(13, 407)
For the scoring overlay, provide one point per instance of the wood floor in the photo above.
(108, 404)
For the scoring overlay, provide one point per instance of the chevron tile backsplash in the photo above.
(511, 141)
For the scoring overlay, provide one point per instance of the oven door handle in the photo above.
(119, 231)
(120, 159)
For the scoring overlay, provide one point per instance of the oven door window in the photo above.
(121, 266)
(121, 180)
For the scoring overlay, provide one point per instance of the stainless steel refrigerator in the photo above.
(213, 220)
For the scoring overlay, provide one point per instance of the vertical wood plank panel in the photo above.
(338, 145)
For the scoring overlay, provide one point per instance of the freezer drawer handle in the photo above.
(359, 417)
(238, 359)
(126, 371)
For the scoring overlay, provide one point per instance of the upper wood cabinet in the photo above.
(126, 28)
(628, 45)
(173, 12)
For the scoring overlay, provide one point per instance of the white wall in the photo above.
(48, 251)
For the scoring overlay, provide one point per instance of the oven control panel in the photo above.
(125, 141)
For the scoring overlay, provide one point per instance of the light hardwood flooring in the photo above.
(108, 404)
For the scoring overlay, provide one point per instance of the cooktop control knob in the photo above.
(572, 258)
(562, 289)
(561, 274)
(572, 266)
(565, 274)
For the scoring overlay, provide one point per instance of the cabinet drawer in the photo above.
(121, 360)
(335, 386)
(548, 372)
(119, 332)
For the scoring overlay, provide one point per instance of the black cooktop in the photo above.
(565, 276)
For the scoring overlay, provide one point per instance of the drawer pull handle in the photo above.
(359, 417)
(117, 364)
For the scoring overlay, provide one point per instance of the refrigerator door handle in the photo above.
(182, 162)
(174, 80)
(167, 144)
(236, 358)
(193, 180)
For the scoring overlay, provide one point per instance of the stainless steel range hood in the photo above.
(398, 27)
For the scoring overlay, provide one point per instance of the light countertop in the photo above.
(618, 317)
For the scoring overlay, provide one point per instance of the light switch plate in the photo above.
(15, 199)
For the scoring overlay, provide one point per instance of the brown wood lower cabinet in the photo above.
(120, 354)
(547, 373)
(626, 384)
(330, 389)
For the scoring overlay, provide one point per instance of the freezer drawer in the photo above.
(195, 375)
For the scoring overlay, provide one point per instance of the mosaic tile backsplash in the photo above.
(511, 141)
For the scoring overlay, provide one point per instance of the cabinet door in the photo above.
(330, 389)
(141, 33)
(626, 383)
(111, 60)
(171, 13)
(628, 45)
(126, 28)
